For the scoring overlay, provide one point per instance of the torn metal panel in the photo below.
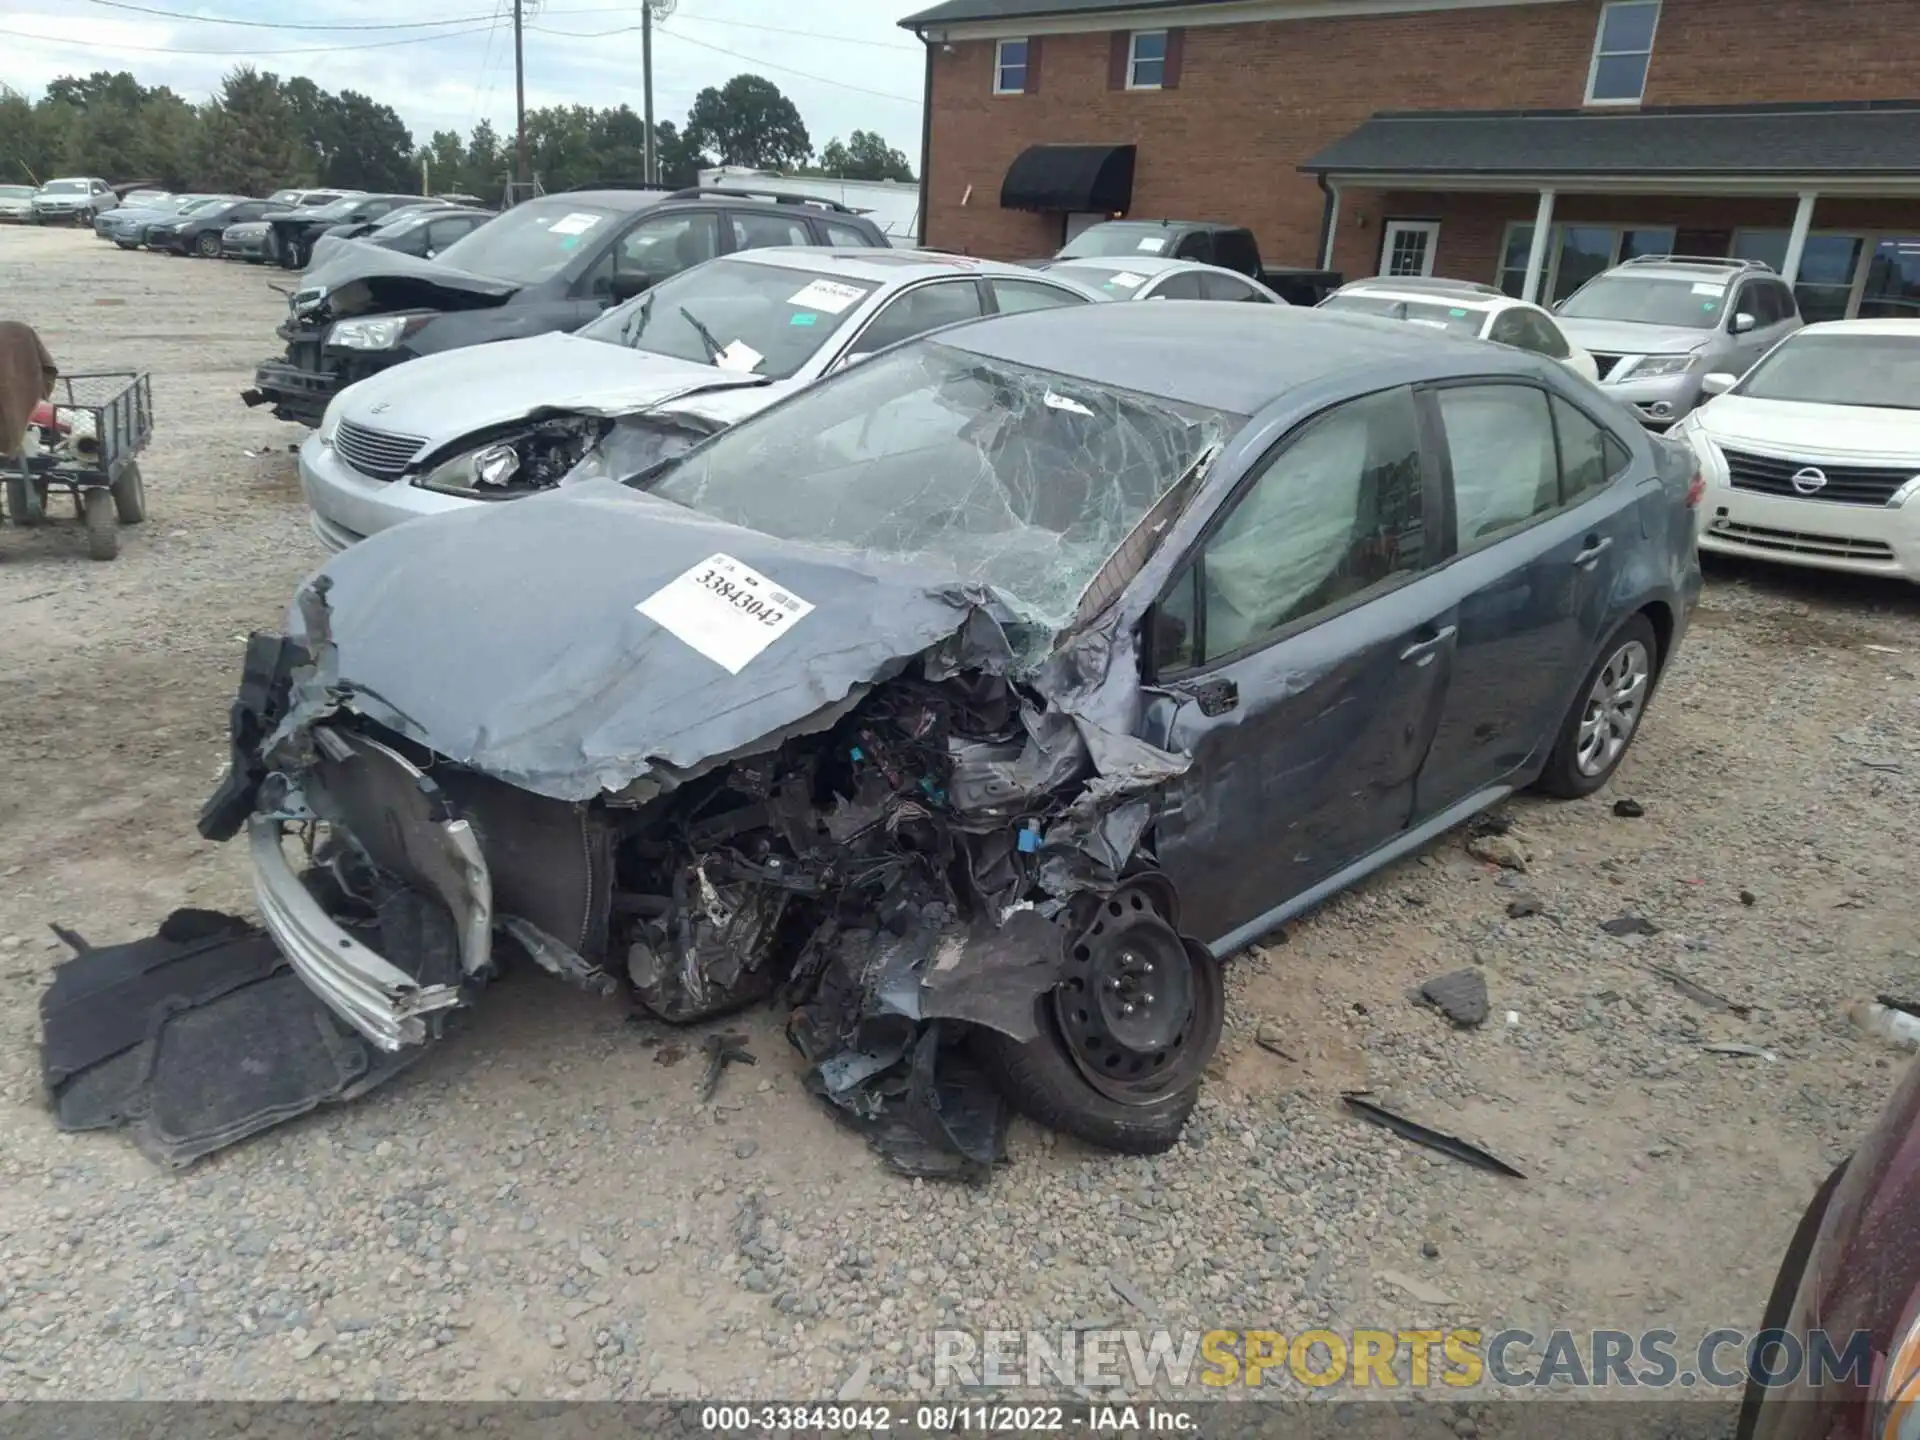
(195, 1043)
(362, 279)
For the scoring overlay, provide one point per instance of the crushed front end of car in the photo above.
(352, 317)
(776, 774)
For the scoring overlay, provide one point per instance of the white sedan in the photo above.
(1464, 307)
(1154, 277)
(1813, 457)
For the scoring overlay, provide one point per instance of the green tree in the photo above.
(368, 147)
(249, 137)
(445, 154)
(487, 163)
(748, 121)
(678, 156)
(29, 142)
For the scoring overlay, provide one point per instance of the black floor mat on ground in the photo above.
(196, 1037)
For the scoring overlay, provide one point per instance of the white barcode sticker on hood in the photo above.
(1126, 279)
(727, 611)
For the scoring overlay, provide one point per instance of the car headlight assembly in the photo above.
(1654, 366)
(381, 334)
(521, 464)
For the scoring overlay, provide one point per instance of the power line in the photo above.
(734, 54)
(68, 43)
(176, 16)
(805, 34)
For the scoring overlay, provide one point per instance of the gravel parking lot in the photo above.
(542, 1208)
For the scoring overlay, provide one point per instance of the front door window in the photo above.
(1408, 247)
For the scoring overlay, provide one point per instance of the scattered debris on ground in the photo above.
(1461, 1150)
(1625, 925)
(1460, 995)
(1629, 809)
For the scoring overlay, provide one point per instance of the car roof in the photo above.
(1138, 265)
(881, 266)
(1888, 326)
(1454, 299)
(1238, 358)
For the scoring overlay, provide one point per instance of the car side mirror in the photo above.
(1718, 383)
(625, 287)
(1743, 322)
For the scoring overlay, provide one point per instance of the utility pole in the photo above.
(519, 100)
(650, 165)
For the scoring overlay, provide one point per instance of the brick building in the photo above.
(1528, 143)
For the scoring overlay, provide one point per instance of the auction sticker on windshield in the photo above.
(1708, 287)
(727, 611)
(577, 223)
(1153, 245)
(827, 295)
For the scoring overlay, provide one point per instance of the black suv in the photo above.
(294, 231)
(552, 263)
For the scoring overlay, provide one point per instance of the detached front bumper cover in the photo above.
(377, 998)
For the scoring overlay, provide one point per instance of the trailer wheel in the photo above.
(103, 525)
(130, 494)
(23, 502)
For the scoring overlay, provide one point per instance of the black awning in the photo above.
(1861, 139)
(1086, 178)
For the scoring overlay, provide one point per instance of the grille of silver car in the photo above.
(1845, 484)
(379, 453)
(1605, 363)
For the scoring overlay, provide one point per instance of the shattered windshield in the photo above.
(1881, 372)
(758, 319)
(1639, 300)
(1436, 316)
(1117, 237)
(992, 472)
(532, 241)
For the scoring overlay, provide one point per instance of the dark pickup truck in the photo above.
(1230, 246)
(548, 264)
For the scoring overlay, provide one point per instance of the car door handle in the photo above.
(1594, 550)
(1422, 652)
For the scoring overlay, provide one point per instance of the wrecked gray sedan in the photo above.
(973, 704)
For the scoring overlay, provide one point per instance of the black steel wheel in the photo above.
(1129, 1003)
(1125, 1080)
(207, 247)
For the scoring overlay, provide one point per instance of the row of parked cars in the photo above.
(289, 227)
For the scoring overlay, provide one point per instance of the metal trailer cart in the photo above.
(89, 434)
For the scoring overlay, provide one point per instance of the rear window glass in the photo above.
(1433, 314)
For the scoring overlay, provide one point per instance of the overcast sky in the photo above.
(855, 71)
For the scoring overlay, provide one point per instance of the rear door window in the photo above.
(1590, 457)
(762, 232)
(846, 236)
(1235, 250)
(1197, 245)
(1184, 286)
(1013, 296)
(1506, 469)
(1226, 287)
(916, 311)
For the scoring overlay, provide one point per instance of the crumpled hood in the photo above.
(443, 397)
(1840, 431)
(363, 279)
(1618, 337)
(507, 638)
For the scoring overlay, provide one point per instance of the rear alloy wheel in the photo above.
(207, 247)
(1124, 1039)
(103, 525)
(1606, 714)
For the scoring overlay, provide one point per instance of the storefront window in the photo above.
(1577, 253)
(1827, 268)
(1893, 280)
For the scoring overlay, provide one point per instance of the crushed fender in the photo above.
(194, 1038)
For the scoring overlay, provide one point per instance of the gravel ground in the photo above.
(543, 1209)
